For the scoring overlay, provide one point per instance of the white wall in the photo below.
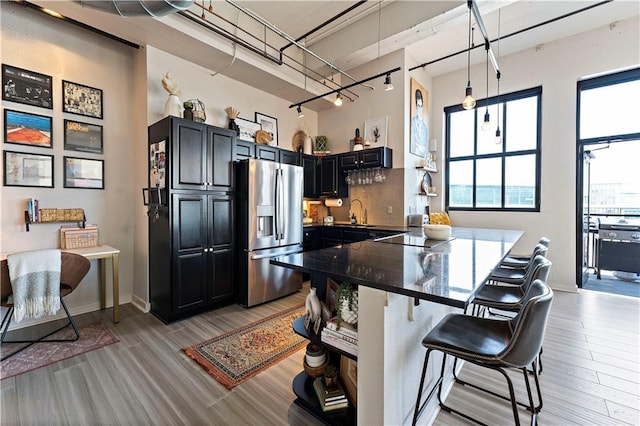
(39, 43)
(556, 67)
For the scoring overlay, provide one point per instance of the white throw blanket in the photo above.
(35, 280)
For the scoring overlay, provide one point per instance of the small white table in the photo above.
(102, 253)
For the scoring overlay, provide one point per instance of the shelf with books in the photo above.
(303, 388)
(34, 214)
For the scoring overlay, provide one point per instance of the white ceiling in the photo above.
(429, 29)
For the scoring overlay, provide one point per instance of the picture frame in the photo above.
(85, 137)
(81, 100)
(83, 173)
(331, 296)
(270, 125)
(375, 132)
(247, 129)
(28, 169)
(349, 378)
(418, 119)
(27, 87)
(25, 128)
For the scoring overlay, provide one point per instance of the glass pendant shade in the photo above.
(338, 100)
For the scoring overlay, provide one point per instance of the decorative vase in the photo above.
(234, 126)
(350, 316)
(307, 146)
(312, 304)
(173, 106)
(188, 114)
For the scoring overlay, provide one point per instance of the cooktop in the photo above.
(413, 240)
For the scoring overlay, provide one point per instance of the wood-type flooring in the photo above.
(591, 374)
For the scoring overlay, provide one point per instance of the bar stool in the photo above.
(511, 276)
(520, 261)
(494, 344)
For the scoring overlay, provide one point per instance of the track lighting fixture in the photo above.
(300, 113)
(338, 101)
(387, 83)
(469, 102)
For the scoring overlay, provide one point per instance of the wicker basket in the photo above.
(61, 215)
(73, 237)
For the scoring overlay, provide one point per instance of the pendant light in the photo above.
(469, 102)
(486, 124)
(338, 101)
(498, 139)
(387, 79)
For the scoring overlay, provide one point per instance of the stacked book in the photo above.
(330, 398)
(344, 338)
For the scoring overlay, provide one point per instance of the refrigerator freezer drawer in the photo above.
(266, 281)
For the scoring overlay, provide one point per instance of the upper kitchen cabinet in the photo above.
(311, 175)
(332, 184)
(201, 155)
(366, 159)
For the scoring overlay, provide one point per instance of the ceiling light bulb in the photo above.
(486, 124)
(498, 136)
(338, 100)
(300, 113)
(469, 102)
(387, 83)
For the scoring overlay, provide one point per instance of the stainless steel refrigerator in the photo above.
(269, 201)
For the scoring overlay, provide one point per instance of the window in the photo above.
(485, 175)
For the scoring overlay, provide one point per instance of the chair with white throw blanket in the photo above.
(34, 284)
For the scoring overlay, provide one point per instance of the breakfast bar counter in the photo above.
(393, 275)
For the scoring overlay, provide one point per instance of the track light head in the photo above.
(338, 101)
(387, 83)
(300, 113)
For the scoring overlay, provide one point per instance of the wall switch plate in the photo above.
(389, 209)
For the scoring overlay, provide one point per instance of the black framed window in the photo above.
(491, 174)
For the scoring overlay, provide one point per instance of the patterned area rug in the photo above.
(240, 354)
(92, 337)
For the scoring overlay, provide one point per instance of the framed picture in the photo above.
(25, 169)
(269, 125)
(26, 87)
(83, 173)
(80, 136)
(419, 119)
(349, 378)
(82, 100)
(27, 129)
(375, 132)
(331, 296)
(247, 129)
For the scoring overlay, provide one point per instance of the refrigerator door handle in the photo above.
(281, 215)
(285, 253)
(276, 196)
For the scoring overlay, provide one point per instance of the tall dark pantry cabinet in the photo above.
(191, 239)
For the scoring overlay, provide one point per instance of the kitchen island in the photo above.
(394, 275)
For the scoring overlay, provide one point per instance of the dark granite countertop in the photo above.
(448, 273)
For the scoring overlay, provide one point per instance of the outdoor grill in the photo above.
(618, 245)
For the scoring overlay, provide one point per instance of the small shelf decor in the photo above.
(347, 304)
(34, 214)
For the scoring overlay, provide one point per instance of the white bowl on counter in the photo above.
(437, 232)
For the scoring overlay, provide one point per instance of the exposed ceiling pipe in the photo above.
(131, 8)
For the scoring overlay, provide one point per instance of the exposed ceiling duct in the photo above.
(130, 8)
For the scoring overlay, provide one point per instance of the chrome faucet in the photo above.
(351, 204)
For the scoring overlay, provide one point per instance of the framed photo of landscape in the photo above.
(27, 169)
(26, 87)
(82, 100)
(24, 128)
(84, 137)
(83, 173)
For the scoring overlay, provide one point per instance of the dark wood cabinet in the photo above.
(245, 149)
(311, 175)
(366, 159)
(266, 152)
(191, 241)
(310, 239)
(289, 157)
(332, 183)
(201, 156)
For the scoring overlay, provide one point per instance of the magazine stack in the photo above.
(330, 398)
(344, 337)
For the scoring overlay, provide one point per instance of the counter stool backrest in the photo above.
(529, 326)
